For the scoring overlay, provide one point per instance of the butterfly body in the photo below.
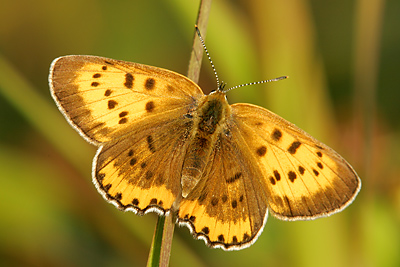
(210, 121)
(165, 147)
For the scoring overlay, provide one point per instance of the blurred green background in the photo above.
(342, 57)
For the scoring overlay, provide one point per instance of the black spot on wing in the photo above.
(301, 170)
(277, 175)
(132, 161)
(107, 92)
(150, 143)
(246, 237)
(128, 81)
(292, 176)
(123, 121)
(205, 230)
(293, 147)
(111, 104)
(276, 135)
(261, 151)
(234, 204)
(149, 84)
(234, 178)
(107, 187)
(123, 114)
(150, 106)
(118, 196)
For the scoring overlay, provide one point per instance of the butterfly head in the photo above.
(220, 88)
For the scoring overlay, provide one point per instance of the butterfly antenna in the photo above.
(219, 86)
(260, 82)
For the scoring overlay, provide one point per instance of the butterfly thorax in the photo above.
(209, 121)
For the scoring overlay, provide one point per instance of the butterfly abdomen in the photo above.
(209, 121)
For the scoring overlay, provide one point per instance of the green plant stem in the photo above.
(160, 250)
(168, 232)
(155, 251)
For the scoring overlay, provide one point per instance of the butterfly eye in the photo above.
(222, 86)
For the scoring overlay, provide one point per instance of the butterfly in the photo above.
(166, 147)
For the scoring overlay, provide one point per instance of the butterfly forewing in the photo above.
(303, 178)
(102, 97)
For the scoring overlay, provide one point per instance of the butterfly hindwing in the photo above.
(142, 171)
(226, 209)
(302, 178)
